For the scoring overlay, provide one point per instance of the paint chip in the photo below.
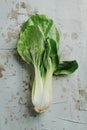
(74, 35)
(1, 70)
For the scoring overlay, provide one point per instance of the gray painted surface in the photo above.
(68, 110)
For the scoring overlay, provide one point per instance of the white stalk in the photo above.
(42, 91)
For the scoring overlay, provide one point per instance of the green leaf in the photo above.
(53, 53)
(31, 45)
(66, 67)
(46, 24)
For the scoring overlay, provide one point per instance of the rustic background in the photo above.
(68, 110)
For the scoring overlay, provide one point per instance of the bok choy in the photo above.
(38, 45)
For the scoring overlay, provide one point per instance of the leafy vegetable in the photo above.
(66, 67)
(39, 45)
